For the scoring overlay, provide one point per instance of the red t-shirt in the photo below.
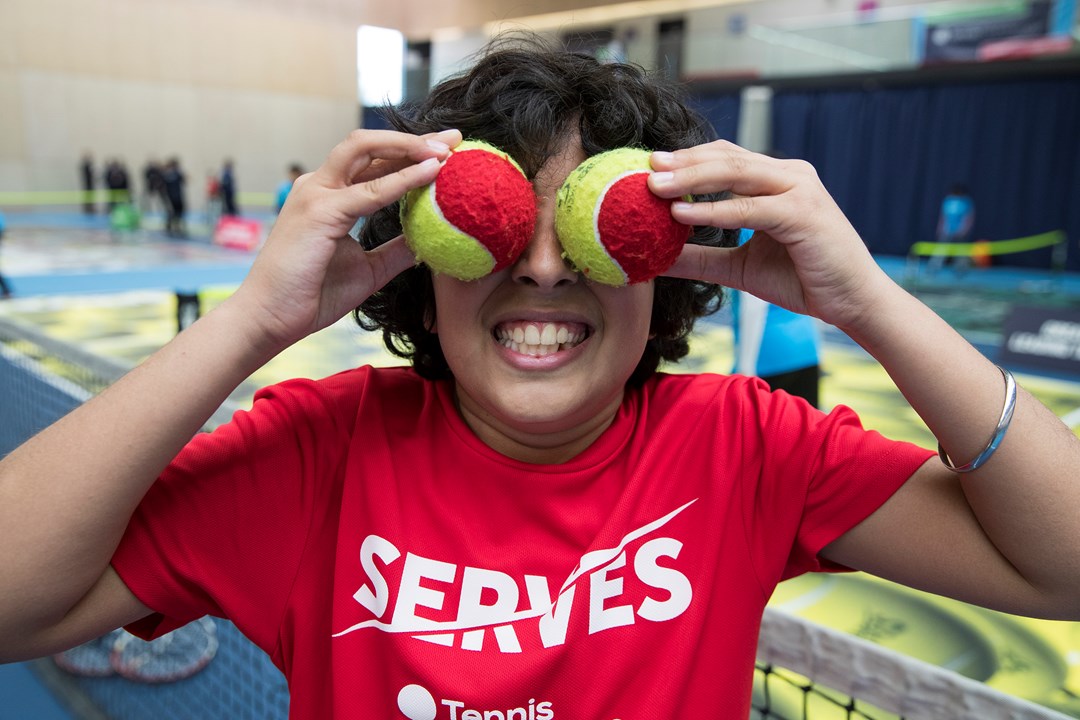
(394, 566)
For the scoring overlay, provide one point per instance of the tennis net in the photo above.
(804, 671)
(807, 671)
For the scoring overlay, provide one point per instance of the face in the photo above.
(540, 355)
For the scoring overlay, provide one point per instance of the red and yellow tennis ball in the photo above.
(611, 226)
(476, 217)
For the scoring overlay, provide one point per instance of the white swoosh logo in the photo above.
(589, 562)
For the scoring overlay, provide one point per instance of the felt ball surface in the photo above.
(475, 217)
(612, 227)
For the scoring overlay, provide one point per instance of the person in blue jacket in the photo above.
(285, 186)
(955, 220)
(777, 345)
(5, 287)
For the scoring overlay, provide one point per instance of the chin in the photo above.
(556, 414)
(550, 415)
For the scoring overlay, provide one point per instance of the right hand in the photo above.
(310, 272)
(804, 255)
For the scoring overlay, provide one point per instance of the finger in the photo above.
(709, 264)
(741, 211)
(389, 260)
(361, 147)
(739, 172)
(687, 156)
(384, 165)
(366, 197)
(670, 161)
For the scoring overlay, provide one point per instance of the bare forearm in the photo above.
(1025, 498)
(67, 494)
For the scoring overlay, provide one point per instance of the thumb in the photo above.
(389, 260)
(708, 264)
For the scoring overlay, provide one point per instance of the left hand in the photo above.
(311, 272)
(804, 255)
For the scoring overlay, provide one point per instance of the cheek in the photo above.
(631, 307)
(448, 298)
(457, 304)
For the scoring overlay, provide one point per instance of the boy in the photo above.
(539, 532)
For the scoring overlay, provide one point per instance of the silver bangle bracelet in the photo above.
(999, 432)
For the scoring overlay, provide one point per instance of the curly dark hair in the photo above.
(524, 96)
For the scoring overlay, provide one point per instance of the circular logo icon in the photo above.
(416, 703)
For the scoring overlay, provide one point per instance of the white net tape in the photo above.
(883, 677)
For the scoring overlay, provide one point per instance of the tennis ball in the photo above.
(475, 217)
(611, 226)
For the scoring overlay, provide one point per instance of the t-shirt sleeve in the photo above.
(223, 530)
(818, 476)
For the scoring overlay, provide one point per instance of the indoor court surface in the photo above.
(114, 295)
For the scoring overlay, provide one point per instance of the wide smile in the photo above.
(540, 339)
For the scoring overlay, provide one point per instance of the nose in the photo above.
(542, 263)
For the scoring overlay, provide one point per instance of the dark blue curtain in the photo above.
(722, 110)
(373, 119)
(888, 155)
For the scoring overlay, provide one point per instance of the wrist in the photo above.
(877, 311)
(241, 324)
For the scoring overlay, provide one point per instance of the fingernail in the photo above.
(662, 178)
(438, 146)
(429, 163)
(663, 156)
(681, 205)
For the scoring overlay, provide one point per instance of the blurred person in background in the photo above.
(174, 180)
(5, 287)
(286, 185)
(213, 198)
(779, 346)
(227, 189)
(86, 173)
(955, 220)
(117, 183)
(153, 186)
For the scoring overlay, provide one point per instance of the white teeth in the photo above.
(538, 340)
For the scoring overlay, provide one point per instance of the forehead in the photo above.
(562, 162)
